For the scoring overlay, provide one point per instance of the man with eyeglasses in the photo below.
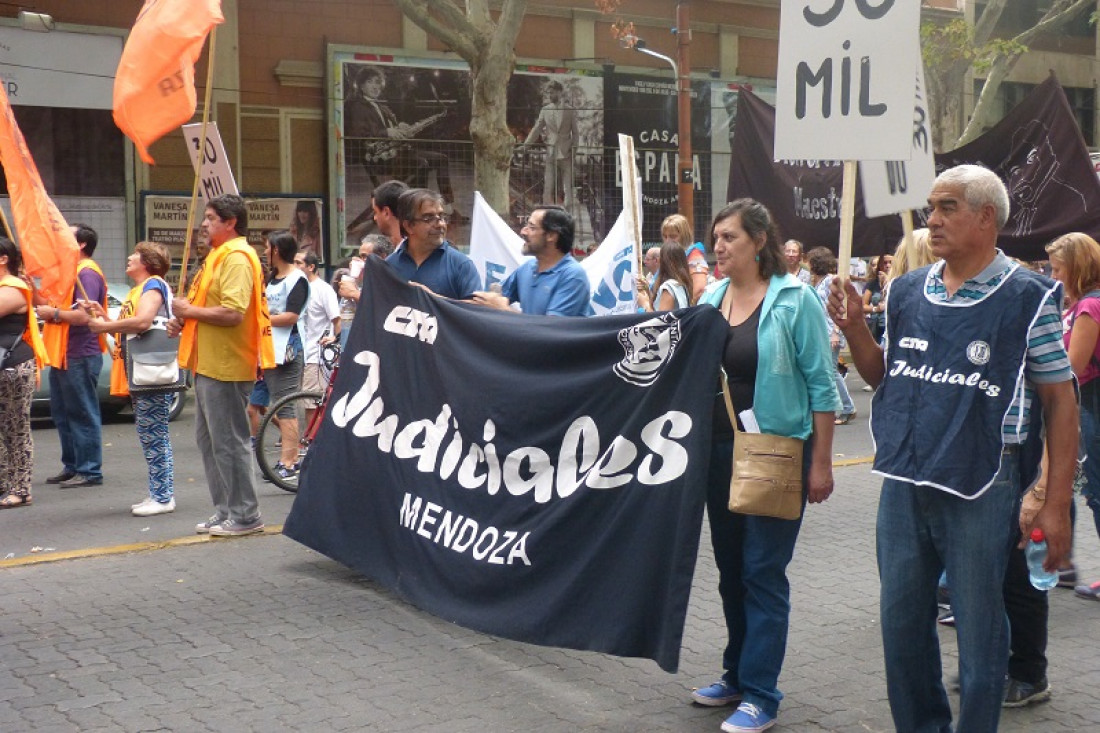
(552, 284)
(426, 257)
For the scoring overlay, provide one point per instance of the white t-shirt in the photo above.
(858, 268)
(321, 308)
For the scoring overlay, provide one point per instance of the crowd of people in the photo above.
(973, 360)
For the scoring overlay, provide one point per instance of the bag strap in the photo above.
(729, 401)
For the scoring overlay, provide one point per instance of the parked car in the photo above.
(109, 405)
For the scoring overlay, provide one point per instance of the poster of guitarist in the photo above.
(385, 146)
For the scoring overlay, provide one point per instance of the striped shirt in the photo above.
(1047, 361)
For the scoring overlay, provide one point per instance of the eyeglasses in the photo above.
(432, 218)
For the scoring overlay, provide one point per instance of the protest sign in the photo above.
(898, 185)
(839, 89)
(215, 176)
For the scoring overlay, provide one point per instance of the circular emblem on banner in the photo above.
(648, 346)
(978, 352)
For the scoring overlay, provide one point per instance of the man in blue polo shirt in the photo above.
(426, 257)
(552, 284)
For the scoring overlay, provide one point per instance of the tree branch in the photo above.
(451, 27)
(1059, 14)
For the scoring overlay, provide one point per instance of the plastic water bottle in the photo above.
(1036, 553)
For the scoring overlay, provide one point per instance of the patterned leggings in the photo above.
(16, 448)
(151, 421)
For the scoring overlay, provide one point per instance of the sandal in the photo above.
(845, 419)
(12, 501)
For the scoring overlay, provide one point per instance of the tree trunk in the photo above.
(493, 141)
(983, 108)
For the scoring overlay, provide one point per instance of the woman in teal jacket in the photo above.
(778, 364)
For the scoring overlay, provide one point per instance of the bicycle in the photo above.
(309, 410)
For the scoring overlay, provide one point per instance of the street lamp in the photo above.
(685, 183)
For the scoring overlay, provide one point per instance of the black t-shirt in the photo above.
(12, 327)
(739, 359)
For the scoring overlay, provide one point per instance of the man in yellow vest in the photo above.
(77, 357)
(225, 333)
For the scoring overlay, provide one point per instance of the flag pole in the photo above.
(7, 227)
(182, 286)
(847, 221)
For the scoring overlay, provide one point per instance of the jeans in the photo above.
(752, 554)
(921, 531)
(847, 407)
(1090, 439)
(1027, 608)
(74, 409)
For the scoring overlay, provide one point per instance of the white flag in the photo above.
(495, 249)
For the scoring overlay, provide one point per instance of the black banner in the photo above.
(536, 478)
(645, 107)
(1037, 150)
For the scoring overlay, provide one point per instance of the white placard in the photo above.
(59, 69)
(899, 185)
(843, 89)
(216, 177)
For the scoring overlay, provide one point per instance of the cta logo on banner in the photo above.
(843, 85)
(891, 186)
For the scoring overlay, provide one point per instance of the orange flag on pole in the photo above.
(49, 249)
(155, 82)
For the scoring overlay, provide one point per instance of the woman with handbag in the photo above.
(21, 352)
(778, 365)
(149, 299)
(287, 293)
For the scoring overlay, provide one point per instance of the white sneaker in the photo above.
(143, 502)
(154, 507)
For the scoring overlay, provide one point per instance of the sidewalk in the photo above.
(262, 634)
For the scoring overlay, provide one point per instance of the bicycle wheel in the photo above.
(296, 407)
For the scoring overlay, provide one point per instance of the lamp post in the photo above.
(685, 180)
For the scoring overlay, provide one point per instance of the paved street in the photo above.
(183, 633)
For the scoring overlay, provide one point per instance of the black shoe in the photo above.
(77, 481)
(1020, 694)
(63, 476)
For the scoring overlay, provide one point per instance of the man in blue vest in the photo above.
(973, 359)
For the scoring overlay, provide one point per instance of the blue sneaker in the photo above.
(719, 694)
(747, 719)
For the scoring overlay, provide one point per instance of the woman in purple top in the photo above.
(1075, 262)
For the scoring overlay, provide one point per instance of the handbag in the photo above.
(152, 363)
(767, 471)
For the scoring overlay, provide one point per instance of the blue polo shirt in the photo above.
(560, 291)
(447, 271)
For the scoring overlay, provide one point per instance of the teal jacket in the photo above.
(795, 373)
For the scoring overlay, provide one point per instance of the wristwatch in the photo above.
(56, 315)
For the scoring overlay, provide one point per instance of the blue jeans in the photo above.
(752, 554)
(1090, 439)
(74, 409)
(921, 531)
(847, 407)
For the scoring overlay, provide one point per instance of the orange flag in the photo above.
(155, 82)
(49, 249)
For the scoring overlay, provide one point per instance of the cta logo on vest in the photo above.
(406, 321)
(909, 342)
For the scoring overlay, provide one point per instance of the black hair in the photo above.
(558, 220)
(231, 206)
(87, 236)
(386, 195)
(283, 242)
(15, 257)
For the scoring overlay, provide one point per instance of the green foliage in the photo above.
(944, 45)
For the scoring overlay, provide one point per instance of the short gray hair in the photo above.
(981, 187)
(381, 246)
